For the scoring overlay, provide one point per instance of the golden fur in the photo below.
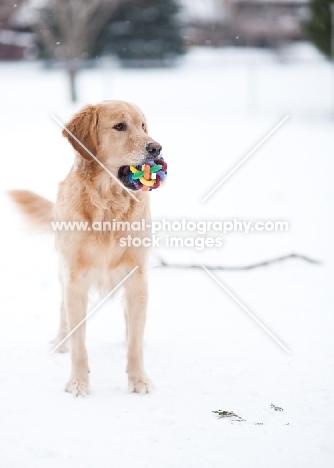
(95, 257)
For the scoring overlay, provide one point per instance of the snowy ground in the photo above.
(203, 352)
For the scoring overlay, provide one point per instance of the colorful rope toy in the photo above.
(147, 176)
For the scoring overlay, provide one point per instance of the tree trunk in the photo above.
(72, 76)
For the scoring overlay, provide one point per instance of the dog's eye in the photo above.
(120, 127)
(143, 126)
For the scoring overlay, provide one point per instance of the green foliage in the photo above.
(318, 27)
(143, 30)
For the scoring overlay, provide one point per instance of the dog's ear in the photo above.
(83, 128)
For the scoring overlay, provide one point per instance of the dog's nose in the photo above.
(153, 149)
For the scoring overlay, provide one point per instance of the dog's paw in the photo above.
(77, 388)
(140, 385)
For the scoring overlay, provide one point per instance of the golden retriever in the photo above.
(115, 132)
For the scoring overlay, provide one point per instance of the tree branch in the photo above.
(164, 264)
(44, 32)
(102, 17)
(78, 23)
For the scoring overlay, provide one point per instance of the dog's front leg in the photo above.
(63, 330)
(76, 297)
(136, 296)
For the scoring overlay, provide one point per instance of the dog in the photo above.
(105, 137)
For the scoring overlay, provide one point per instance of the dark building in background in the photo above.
(266, 22)
(148, 32)
(244, 22)
(16, 40)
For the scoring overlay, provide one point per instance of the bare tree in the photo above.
(69, 28)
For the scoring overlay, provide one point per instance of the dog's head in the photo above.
(114, 132)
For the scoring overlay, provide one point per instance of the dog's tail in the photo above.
(36, 209)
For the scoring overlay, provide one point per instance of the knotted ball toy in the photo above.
(147, 176)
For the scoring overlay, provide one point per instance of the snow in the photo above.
(203, 352)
